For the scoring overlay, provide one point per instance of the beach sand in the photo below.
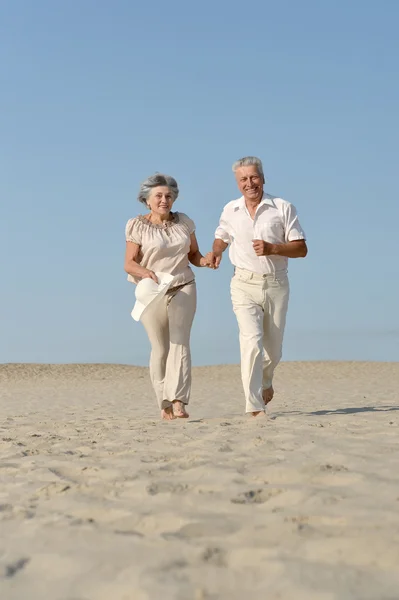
(100, 500)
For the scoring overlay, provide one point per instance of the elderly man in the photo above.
(263, 232)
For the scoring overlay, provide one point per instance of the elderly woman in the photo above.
(165, 241)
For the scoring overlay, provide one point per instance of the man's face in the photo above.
(249, 182)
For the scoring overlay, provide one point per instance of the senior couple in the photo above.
(262, 232)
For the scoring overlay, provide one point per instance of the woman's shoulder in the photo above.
(185, 219)
(133, 228)
(137, 222)
(138, 219)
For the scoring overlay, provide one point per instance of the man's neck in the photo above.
(252, 204)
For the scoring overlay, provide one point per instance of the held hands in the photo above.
(263, 248)
(211, 260)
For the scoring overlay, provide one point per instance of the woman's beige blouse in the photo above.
(164, 247)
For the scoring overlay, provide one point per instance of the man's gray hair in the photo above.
(155, 181)
(249, 161)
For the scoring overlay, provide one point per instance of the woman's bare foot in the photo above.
(167, 414)
(268, 395)
(179, 410)
(258, 412)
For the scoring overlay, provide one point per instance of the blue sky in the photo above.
(97, 95)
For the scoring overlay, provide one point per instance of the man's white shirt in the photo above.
(276, 221)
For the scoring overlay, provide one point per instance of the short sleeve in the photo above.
(187, 221)
(133, 231)
(293, 229)
(222, 231)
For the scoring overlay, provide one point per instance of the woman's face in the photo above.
(160, 200)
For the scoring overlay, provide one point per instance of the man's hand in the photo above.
(294, 249)
(213, 259)
(263, 248)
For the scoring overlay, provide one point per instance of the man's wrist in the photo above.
(274, 249)
(219, 246)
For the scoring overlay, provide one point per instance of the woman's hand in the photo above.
(132, 263)
(194, 256)
(149, 275)
(210, 261)
(205, 262)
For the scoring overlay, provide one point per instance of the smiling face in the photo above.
(250, 183)
(160, 201)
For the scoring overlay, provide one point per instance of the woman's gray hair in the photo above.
(249, 161)
(155, 181)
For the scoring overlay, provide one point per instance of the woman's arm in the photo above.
(194, 256)
(132, 266)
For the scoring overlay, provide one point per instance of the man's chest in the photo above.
(266, 225)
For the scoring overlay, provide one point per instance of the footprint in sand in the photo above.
(300, 519)
(8, 511)
(225, 448)
(30, 452)
(128, 532)
(211, 528)
(333, 468)
(308, 531)
(12, 568)
(56, 487)
(164, 487)
(214, 556)
(256, 496)
(154, 459)
(9, 466)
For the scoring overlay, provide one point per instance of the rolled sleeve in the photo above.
(222, 231)
(189, 222)
(293, 229)
(133, 232)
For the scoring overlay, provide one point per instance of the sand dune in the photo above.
(99, 500)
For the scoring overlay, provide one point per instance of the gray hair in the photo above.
(154, 181)
(249, 161)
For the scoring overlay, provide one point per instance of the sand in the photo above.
(100, 500)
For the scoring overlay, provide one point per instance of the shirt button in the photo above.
(264, 276)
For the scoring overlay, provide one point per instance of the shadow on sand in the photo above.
(345, 411)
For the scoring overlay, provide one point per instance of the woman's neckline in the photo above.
(173, 221)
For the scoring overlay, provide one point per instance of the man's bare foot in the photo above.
(167, 414)
(268, 395)
(179, 410)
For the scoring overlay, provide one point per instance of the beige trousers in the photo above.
(168, 329)
(260, 304)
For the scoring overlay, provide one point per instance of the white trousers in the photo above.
(168, 329)
(260, 304)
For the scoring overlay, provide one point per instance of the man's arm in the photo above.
(222, 240)
(219, 246)
(294, 249)
(213, 258)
